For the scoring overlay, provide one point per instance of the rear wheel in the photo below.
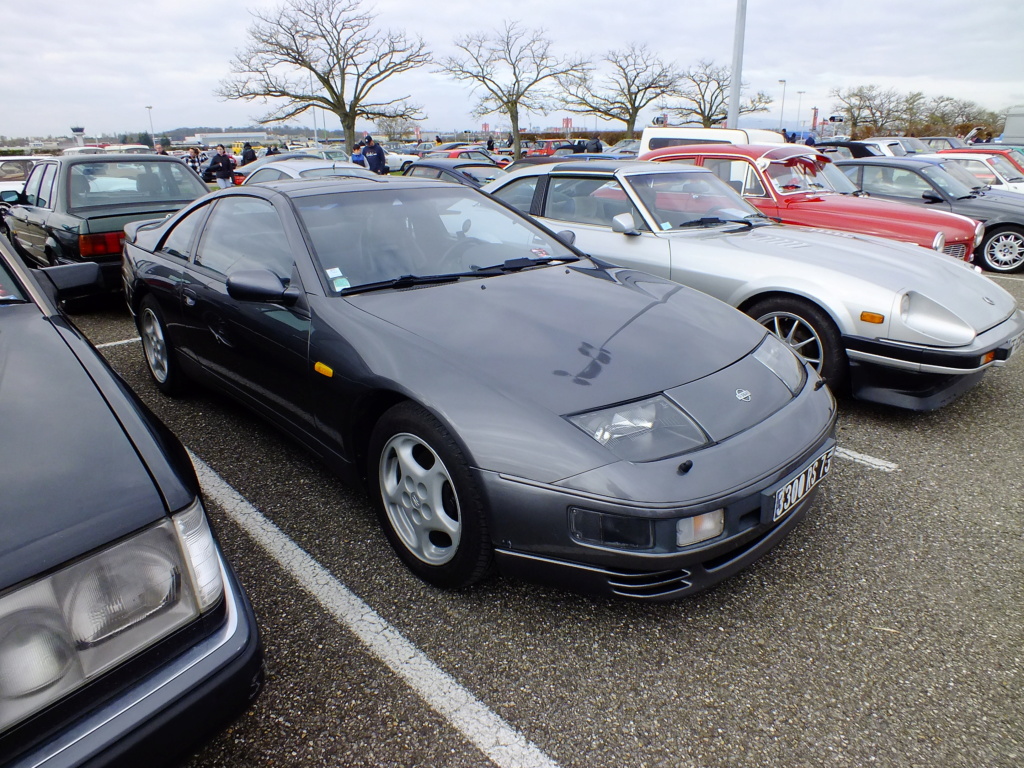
(427, 500)
(809, 332)
(1003, 249)
(159, 351)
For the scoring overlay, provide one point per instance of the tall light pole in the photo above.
(152, 135)
(782, 109)
(799, 101)
(736, 75)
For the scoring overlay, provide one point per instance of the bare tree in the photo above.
(637, 79)
(511, 67)
(704, 90)
(327, 54)
(394, 127)
(869, 110)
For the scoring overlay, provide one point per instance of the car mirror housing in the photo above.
(931, 197)
(624, 224)
(259, 285)
(567, 236)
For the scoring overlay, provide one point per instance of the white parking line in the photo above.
(503, 744)
(868, 461)
(118, 343)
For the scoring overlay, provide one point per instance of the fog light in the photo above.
(691, 530)
(611, 530)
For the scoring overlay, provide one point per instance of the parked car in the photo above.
(898, 146)
(663, 136)
(624, 147)
(845, 149)
(471, 153)
(74, 208)
(306, 168)
(894, 323)
(469, 172)
(795, 184)
(991, 169)
(125, 637)
(1014, 155)
(945, 186)
(515, 408)
(397, 162)
(938, 143)
(543, 147)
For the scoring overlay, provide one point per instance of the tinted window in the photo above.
(265, 174)
(244, 233)
(893, 182)
(136, 181)
(179, 241)
(424, 172)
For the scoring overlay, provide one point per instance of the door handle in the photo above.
(189, 296)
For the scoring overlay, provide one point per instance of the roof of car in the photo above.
(328, 184)
(614, 166)
(753, 151)
(908, 162)
(115, 158)
(450, 162)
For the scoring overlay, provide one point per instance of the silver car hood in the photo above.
(899, 267)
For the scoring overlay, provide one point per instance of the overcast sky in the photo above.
(100, 64)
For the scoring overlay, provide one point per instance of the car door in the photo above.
(586, 205)
(256, 349)
(28, 220)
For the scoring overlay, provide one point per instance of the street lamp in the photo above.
(152, 134)
(782, 109)
(799, 101)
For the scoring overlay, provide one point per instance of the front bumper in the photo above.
(925, 378)
(166, 714)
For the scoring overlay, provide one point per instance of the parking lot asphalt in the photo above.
(887, 630)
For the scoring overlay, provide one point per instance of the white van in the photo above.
(1013, 130)
(661, 136)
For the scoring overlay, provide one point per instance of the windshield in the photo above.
(962, 175)
(912, 144)
(131, 183)
(1006, 169)
(482, 173)
(366, 237)
(952, 186)
(684, 199)
(797, 174)
(9, 291)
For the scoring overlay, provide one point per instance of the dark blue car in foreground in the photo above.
(125, 638)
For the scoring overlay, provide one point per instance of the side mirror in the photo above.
(567, 236)
(931, 197)
(10, 196)
(624, 224)
(260, 285)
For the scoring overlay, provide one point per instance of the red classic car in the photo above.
(1012, 154)
(471, 153)
(795, 184)
(544, 147)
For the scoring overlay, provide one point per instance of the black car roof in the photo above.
(321, 185)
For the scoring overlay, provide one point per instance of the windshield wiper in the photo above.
(712, 221)
(405, 281)
(514, 265)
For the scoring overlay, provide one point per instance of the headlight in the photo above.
(934, 322)
(60, 632)
(939, 242)
(778, 358)
(645, 430)
(979, 234)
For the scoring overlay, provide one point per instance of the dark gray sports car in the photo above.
(507, 400)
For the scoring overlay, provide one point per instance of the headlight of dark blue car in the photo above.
(60, 632)
(644, 430)
(778, 358)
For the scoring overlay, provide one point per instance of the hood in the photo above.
(572, 338)
(990, 204)
(72, 480)
(883, 218)
(898, 267)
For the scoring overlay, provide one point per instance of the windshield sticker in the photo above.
(540, 253)
(665, 225)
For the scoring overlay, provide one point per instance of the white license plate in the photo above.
(793, 492)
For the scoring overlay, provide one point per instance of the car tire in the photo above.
(429, 505)
(1003, 249)
(157, 348)
(808, 331)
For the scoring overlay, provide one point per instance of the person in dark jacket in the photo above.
(373, 154)
(221, 168)
(248, 154)
(595, 145)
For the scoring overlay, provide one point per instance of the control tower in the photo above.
(79, 133)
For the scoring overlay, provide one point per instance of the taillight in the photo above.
(108, 244)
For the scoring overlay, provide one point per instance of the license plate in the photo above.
(794, 491)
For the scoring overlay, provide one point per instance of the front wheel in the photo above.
(427, 500)
(1003, 250)
(159, 351)
(808, 331)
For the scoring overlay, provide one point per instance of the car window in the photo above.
(35, 178)
(979, 170)
(244, 233)
(948, 182)
(588, 200)
(738, 174)
(266, 174)
(45, 197)
(894, 182)
(1005, 168)
(482, 174)
(424, 172)
(179, 241)
(132, 182)
(14, 170)
(518, 194)
(678, 200)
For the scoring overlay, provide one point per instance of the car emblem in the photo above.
(742, 394)
(987, 299)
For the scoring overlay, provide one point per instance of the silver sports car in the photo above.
(892, 322)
